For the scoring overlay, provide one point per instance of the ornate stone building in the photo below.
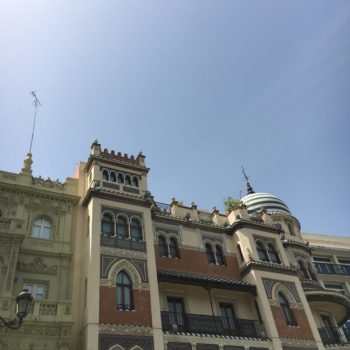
(37, 237)
(110, 268)
(160, 276)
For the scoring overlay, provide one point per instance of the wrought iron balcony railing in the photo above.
(334, 269)
(205, 324)
(332, 335)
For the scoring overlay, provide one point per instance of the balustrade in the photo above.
(205, 324)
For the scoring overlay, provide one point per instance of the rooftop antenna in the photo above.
(36, 103)
(249, 188)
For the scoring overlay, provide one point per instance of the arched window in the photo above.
(127, 180)
(162, 246)
(261, 252)
(124, 292)
(291, 229)
(0, 213)
(122, 228)
(273, 255)
(173, 248)
(107, 225)
(113, 178)
(303, 271)
(219, 256)
(287, 312)
(120, 178)
(240, 252)
(42, 228)
(1, 267)
(105, 175)
(210, 254)
(135, 182)
(136, 231)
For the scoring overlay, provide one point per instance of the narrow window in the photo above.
(219, 256)
(127, 180)
(291, 229)
(136, 231)
(107, 225)
(122, 227)
(176, 312)
(240, 252)
(1, 266)
(113, 178)
(135, 182)
(287, 312)
(261, 252)
(273, 255)
(173, 248)
(124, 292)
(303, 271)
(120, 178)
(210, 254)
(162, 247)
(228, 318)
(105, 175)
(42, 228)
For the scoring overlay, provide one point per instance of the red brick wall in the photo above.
(301, 332)
(196, 262)
(109, 313)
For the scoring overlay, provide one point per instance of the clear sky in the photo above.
(202, 87)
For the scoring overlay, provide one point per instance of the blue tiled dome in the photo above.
(271, 203)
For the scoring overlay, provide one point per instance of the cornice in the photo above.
(266, 266)
(121, 197)
(290, 242)
(113, 161)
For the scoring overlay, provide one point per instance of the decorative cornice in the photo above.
(122, 253)
(37, 266)
(291, 242)
(125, 330)
(297, 343)
(48, 183)
(266, 266)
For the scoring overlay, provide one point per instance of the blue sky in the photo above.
(201, 87)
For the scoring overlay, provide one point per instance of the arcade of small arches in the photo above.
(267, 252)
(120, 178)
(168, 246)
(214, 253)
(121, 226)
(305, 269)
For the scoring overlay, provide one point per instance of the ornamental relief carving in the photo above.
(125, 330)
(302, 344)
(37, 266)
(35, 331)
(122, 253)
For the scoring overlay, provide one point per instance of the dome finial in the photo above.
(249, 188)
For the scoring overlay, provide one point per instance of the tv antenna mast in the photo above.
(36, 103)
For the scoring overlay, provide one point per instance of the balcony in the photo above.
(333, 269)
(49, 311)
(331, 336)
(122, 243)
(204, 324)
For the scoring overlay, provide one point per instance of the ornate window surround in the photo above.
(228, 300)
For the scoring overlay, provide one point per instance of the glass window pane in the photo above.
(47, 222)
(38, 221)
(47, 232)
(36, 231)
(29, 287)
(121, 220)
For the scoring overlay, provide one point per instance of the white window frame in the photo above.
(42, 227)
(33, 291)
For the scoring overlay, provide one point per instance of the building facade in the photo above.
(110, 268)
(37, 237)
(165, 276)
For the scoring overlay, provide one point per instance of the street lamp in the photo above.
(23, 301)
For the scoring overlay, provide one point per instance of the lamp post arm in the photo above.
(12, 324)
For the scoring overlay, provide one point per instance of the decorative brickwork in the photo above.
(196, 262)
(108, 341)
(109, 314)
